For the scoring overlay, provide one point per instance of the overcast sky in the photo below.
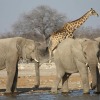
(11, 10)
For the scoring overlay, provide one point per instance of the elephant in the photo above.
(11, 51)
(77, 55)
(98, 40)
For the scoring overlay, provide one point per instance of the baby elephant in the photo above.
(71, 56)
(11, 50)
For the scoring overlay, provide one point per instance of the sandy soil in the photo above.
(26, 78)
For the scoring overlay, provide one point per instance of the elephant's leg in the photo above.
(56, 83)
(97, 90)
(65, 83)
(10, 78)
(37, 74)
(15, 80)
(11, 65)
(83, 70)
(93, 71)
(60, 74)
(95, 77)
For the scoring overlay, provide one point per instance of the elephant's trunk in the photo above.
(37, 74)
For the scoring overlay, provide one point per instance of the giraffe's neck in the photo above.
(72, 26)
(77, 23)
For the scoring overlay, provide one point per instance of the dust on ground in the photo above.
(26, 78)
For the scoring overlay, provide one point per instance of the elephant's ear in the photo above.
(19, 45)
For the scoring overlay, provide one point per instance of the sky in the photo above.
(11, 10)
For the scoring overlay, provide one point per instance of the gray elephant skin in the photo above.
(76, 55)
(98, 40)
(11, 50)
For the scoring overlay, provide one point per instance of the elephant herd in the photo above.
(71, 56)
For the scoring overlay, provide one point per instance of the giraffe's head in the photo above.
(93, 12)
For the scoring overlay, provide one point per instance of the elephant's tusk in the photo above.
(86, 64)
(36, 60)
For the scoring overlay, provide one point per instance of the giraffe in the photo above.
(72, 26)
(67, 31)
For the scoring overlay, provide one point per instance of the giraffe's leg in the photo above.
(51, 49)
(50, 53)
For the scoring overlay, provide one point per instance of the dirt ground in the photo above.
(26, 78)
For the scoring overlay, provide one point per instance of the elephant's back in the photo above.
(64, 55)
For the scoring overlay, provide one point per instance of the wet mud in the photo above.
(73, 95)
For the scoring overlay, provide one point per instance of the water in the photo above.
(74, 95)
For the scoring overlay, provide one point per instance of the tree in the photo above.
(40, 21)
(87, 32)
